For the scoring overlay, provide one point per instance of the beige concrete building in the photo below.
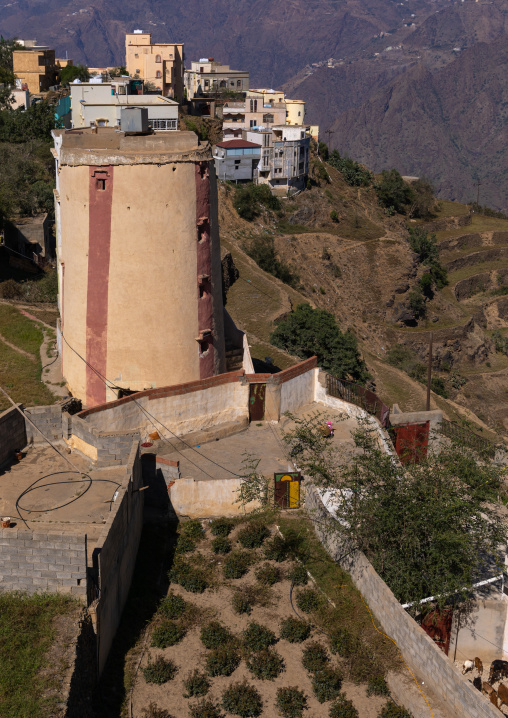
(138, 258)
(161, 64)
(207, 76)
(35, 68)
(238, 116)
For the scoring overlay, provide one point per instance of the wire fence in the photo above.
(359, 395)
(466, 436)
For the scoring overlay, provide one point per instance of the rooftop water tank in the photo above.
(135, 120)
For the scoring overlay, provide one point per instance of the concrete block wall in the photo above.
(106, 448)
(12, 433)
(115, 555)
(48, 419)
(33, 562)
(419, 651)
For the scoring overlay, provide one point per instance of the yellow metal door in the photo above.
(294, 494)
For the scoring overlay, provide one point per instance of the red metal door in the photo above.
(411, 442)
(257, 402)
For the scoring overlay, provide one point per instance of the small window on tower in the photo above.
(101, 184)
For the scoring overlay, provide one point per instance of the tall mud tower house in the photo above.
(139, 267)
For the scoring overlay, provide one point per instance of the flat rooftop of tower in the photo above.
(107, 145)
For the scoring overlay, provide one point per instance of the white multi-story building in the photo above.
(101, 103)
(284, 162)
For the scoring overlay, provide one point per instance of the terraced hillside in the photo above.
(362, 269)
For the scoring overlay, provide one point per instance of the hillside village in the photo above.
(253, 440)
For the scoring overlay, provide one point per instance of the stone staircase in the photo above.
(234, 357)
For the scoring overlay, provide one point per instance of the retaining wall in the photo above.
(115, 556)
(33, 561)
(184, 408)
(206, 498)
(418, 650)
(12, 433)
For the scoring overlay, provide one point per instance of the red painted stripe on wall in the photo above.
(204, 269)
(99, 241)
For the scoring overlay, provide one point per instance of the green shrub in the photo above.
(221, 545)
(294, 630)
(299, 576)
(308, 600)
(377, 686)
(196, 684)
(153, 711)
(172, 606)
(249, 199)
(353, 173)
(257, 637)
(267, 574)
(265, 665)
(390, 710)
(193, 529)
(159, 671)
(438, 386)
(241, 604)
(242, 700)
(185, 544)
(344, 643)
(206, 709)
(416, 303)
(277, 549)
(236, 565)
(334, 216)
(262, 251)
(343, 708)
(222, 661)
(326, 684)
(253, 535)
(315, 657)
(214, 635)
(187, 576)
(221, 527)
(291, 702)
(167, 634)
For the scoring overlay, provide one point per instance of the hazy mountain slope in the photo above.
(450, 124)
(272, 40)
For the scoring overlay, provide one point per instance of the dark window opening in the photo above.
(203, 231)
(204, 346)
(101, 184)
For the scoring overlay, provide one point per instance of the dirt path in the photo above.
(17, 349)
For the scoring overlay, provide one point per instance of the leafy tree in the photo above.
(393, 192)
(7, 76)
(308, 332)
(74, 72)
(424, 244)
(416, 302)
(424, 201)
(118, 71)
(34, 123)
(429, 528)
(27, 178)
(354, 173)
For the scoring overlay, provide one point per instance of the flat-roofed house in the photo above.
(236, 160)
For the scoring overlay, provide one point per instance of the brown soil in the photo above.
(215, 603)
